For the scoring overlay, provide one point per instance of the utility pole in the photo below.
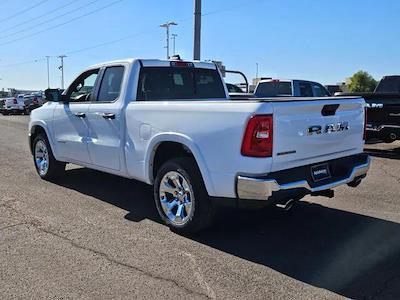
(197, 29)
(62, 70)
(166, 26)
(48, 72)
(174, 35)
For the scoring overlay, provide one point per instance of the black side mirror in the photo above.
(53, 95)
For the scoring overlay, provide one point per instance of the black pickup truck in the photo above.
(383, 109)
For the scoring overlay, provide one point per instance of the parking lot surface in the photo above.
(95, 235)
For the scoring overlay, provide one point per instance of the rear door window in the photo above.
(175, 83)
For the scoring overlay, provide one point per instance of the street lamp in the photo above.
(174, 35)
(166, 26)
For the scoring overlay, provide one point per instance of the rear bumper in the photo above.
(258, 188)
(12, 108)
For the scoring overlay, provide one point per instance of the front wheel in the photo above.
(46, 165)
(181, 197)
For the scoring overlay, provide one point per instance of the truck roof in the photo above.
(156, 63)
(285, 80)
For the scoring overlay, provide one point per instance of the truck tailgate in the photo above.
(312, 131)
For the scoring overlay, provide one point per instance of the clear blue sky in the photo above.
(325, 41)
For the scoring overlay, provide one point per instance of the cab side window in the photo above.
(82, 88)
(320, 91)
(305, 89)
(110, 87)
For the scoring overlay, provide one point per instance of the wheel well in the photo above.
(166, 151)
(34, 133)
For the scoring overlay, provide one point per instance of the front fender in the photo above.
(33, 127)
(181, 139)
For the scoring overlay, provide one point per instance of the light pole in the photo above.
(197, 29)
(166, 26)
(174, 35)
(48, 72)
(62, 70)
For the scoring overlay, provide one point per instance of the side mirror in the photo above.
(53, 95)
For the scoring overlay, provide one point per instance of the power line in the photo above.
(49, 20)
(61, 24)
(38, 17)
(112, 41)
(23, 11)
(26, 62)
(105, 43)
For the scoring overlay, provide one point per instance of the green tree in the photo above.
(362, 82)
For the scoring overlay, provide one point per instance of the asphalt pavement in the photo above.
(95, 235)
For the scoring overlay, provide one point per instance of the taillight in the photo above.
(365, 124)
(258, 137)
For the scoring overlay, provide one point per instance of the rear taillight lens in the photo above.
(365, 124)
(258, 137)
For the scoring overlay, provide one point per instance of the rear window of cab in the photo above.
(175, 83)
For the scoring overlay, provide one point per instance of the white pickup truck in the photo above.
(172, 125)
(13, 105)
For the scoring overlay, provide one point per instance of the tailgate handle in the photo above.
(329, 109)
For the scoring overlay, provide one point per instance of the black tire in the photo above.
(202, 211)
(55, 168)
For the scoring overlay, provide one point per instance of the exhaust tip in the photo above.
(356, 182)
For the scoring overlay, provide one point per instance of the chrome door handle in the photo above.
(80, 114)
(109, 116)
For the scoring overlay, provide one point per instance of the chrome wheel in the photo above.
(176, 198)
(41, 157)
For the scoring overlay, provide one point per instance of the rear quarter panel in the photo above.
(212, 130)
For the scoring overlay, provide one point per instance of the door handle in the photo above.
(80, 114)
(109, 116)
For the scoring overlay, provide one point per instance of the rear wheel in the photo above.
(181, 197)
(45, 164)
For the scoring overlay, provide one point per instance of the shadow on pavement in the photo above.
(350, 254)
(131, 195)
(384, 153)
